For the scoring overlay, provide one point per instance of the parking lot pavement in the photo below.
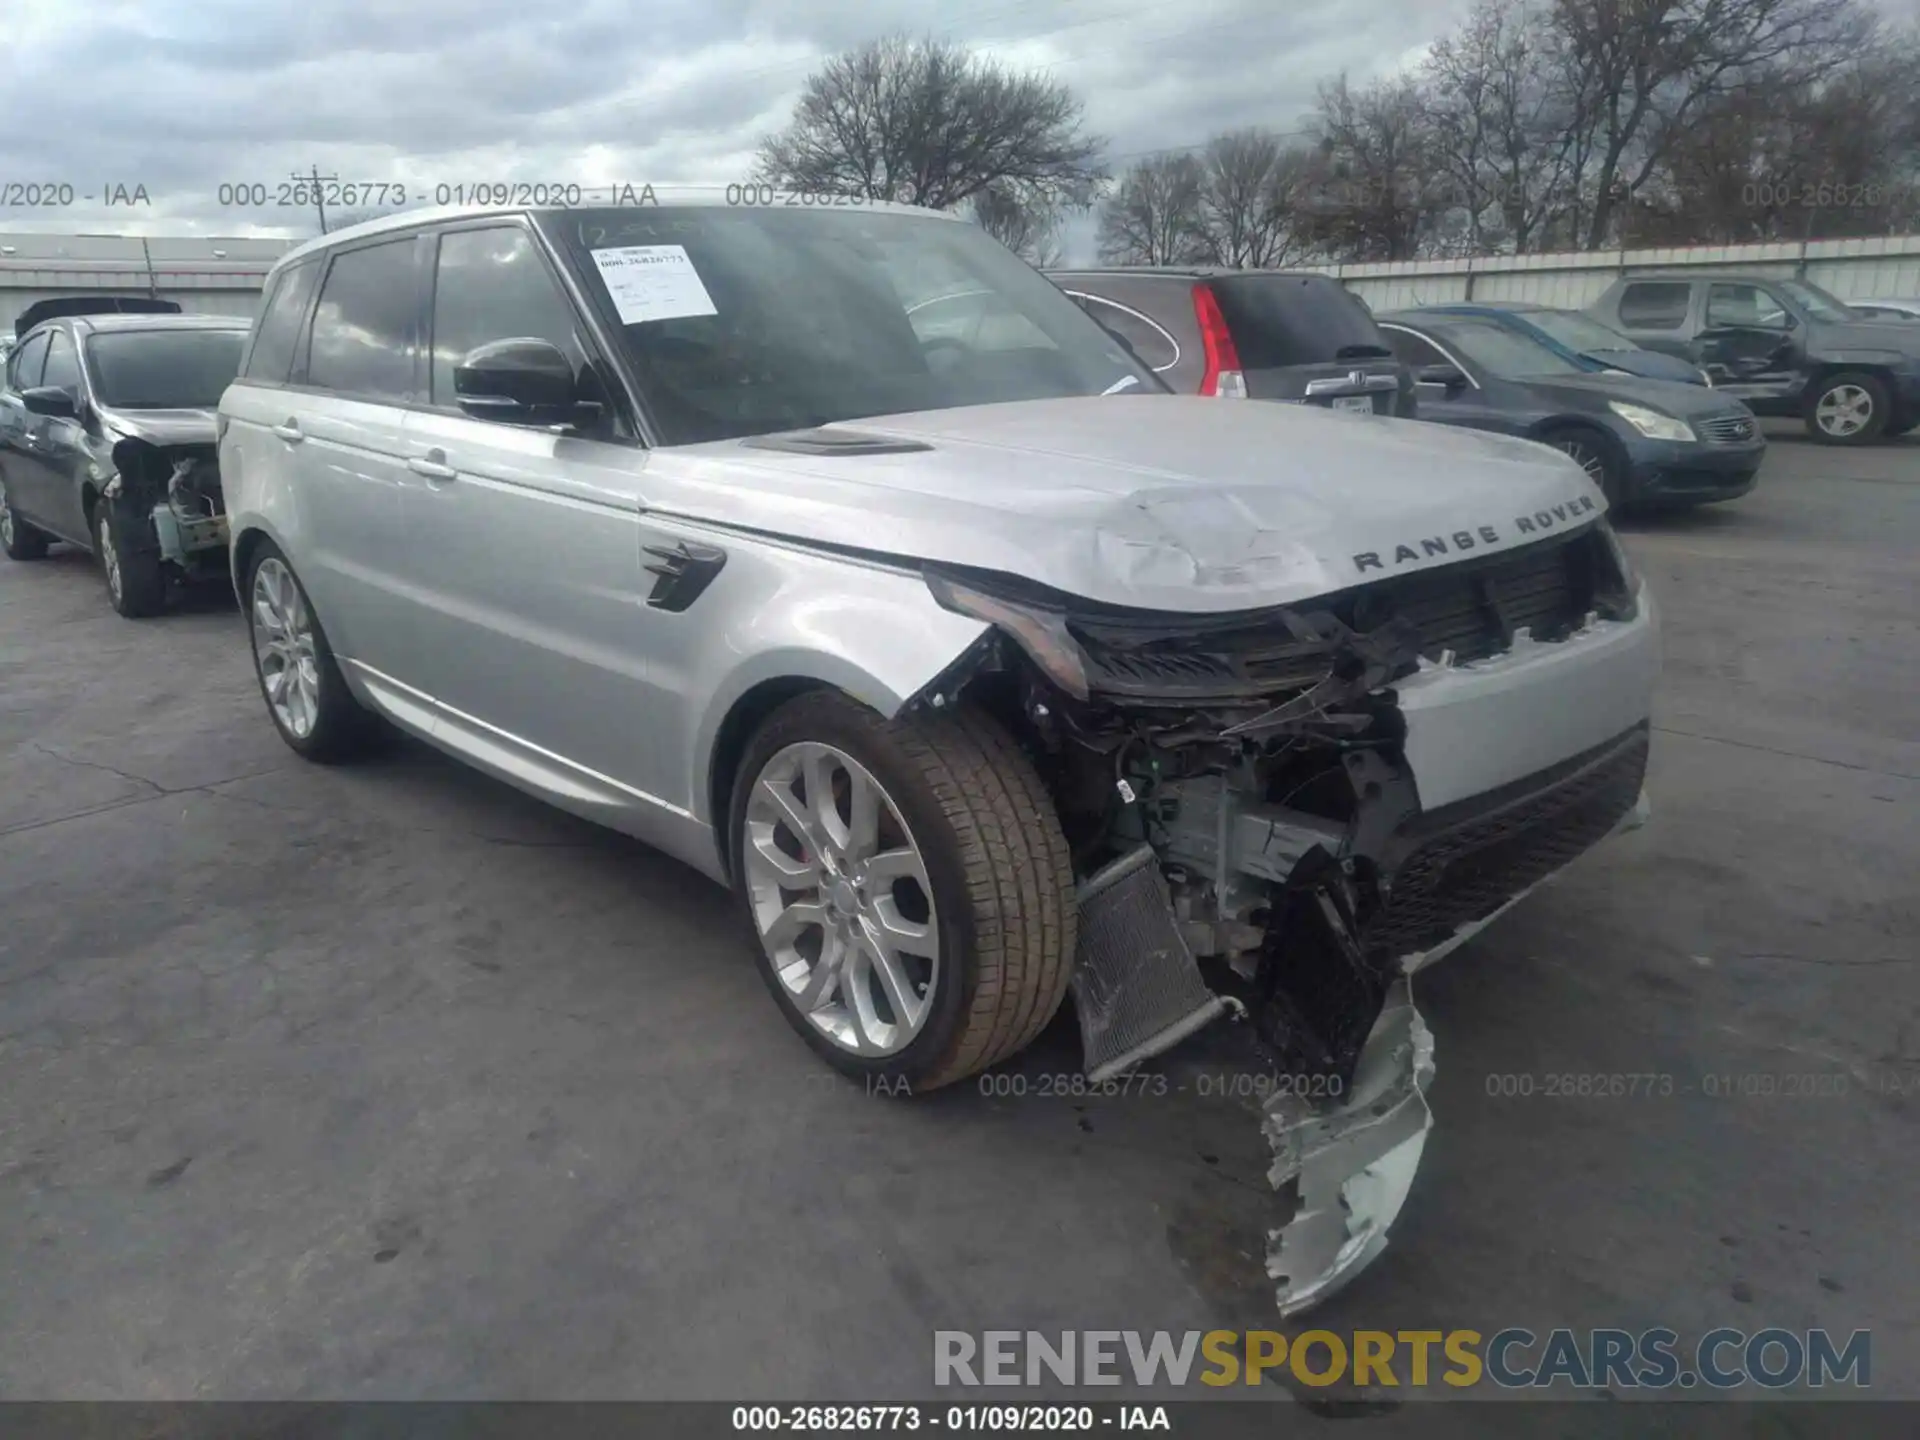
(386, 1081)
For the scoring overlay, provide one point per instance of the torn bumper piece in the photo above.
(1349, 1165)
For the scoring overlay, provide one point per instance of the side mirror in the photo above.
(1446, 377)
(53, 400)
(524, 381)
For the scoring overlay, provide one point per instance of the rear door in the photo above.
(1305, 338)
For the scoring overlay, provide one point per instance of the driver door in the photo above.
(1746, 340)
(58, 447)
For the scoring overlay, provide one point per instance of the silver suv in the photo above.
(979, 667)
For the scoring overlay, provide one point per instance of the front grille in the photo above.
(1473, 609)
(1464, 861)
(1728, 429)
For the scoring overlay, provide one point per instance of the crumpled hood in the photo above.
(1161, 502)
(161, 427)
(1689, 402)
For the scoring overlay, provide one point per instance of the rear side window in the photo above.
(1655, 305)
(277, 335)
(1152, 344)
(23, 371)
(1281, 320)
(363, 326)
(63, 362)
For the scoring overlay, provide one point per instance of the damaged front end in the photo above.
(171, 494)
(1250, 838)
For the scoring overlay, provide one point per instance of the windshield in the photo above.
(1579, 333)
(1506, 353)
(741, 321)
(1817, 302)
(164, 369)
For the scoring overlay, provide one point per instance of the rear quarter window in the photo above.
(1655, 305)
(1280, 320)
(1150, 340)
(276, 335)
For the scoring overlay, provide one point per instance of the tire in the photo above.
(318, 716)
(993, 895)
(1595, 454)
(1851, 408)
(19, 539)
(136, 579)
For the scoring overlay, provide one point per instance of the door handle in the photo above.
(290, 431)
(433, 465)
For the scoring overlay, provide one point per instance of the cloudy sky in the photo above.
(181, 96)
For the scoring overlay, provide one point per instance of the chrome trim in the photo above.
(1358, 382)
(1144, 319)
(1452, 358)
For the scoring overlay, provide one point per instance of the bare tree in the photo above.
(1030, 229)
(1247, 184)
(1372, 192)
(1499, 125)
(931, 124)
(1153, 214)
(1636, 74)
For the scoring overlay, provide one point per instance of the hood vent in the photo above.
(835, 442)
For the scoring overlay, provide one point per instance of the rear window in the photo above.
(1295, 320)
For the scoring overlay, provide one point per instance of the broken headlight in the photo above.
(1041, 632)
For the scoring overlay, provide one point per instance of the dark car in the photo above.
(1784, 346)
(1252, 334)
(1646, 443)
(1583, 337)
(107, 441)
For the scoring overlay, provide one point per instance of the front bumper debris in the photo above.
(1347, 1165)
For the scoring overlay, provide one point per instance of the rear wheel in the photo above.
(1595, 456)
(908, 885)
(136, 579)
(19, 539)
(307, 698)
(1848, 409)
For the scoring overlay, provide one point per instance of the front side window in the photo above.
(1508, 353)
(1817, 302)
(277, 336)
(363, 326)
(63, 363)
(164, 369)
(744, 321)
(23, 370)
(1744, 307)
(1413, 351)
(492, 285)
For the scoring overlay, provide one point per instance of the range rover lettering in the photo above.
(982, 670)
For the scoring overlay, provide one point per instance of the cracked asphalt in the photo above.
(389, 1082)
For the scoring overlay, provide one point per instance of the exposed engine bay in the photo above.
(1250, 840)
(177, 488)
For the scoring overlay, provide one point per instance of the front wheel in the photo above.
(909, 886)
(1848, 409)
(1596, 457)
(307, 698)
(136, 579)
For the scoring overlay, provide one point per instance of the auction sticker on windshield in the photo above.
(653, 282)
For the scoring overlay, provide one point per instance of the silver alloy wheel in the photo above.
(841, 898)
(110, 556)
(1588, 458)
(283, 648)
(1844, 410)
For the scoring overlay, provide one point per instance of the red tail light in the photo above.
(1223, 376)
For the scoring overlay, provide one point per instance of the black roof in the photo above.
(64, 305)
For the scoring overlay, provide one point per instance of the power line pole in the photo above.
(319, 203)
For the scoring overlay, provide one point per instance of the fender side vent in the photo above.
(681, 573)
(835, 442)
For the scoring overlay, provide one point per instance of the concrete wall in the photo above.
(1851, 269)
(205, 274)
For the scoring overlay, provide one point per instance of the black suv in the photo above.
(1785, 347)
(1250, 334)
